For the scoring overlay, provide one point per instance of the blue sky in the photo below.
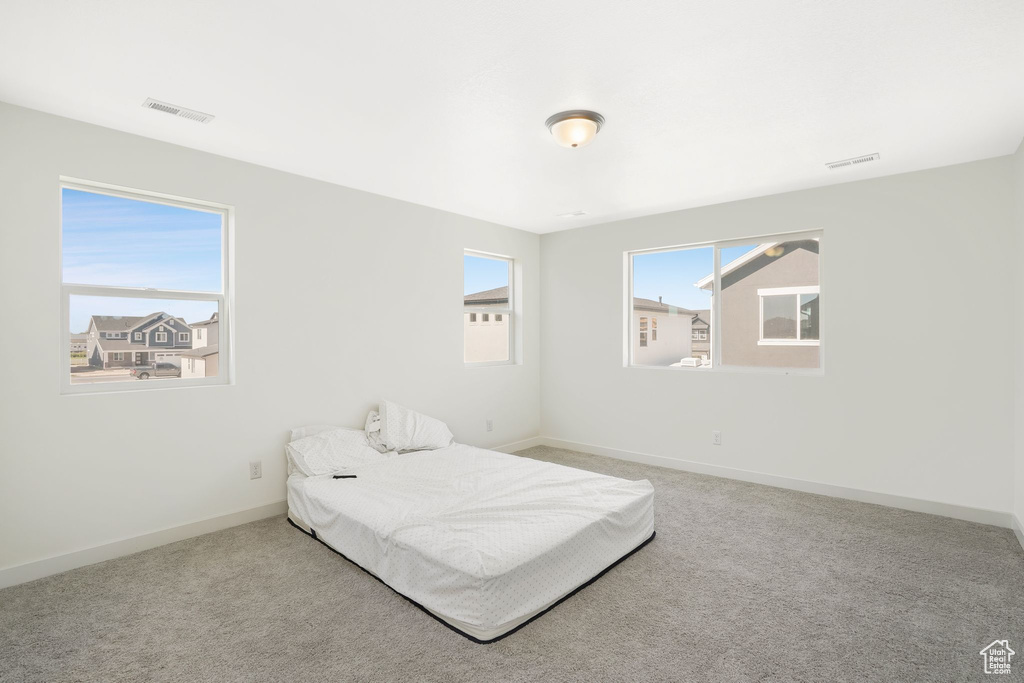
(130, 243)
(672, 274)
(481, 274)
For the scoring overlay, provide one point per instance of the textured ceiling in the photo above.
(443, 103)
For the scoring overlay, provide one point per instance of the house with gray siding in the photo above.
(116, 341)
(770, 306)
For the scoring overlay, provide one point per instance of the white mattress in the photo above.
(482, 540)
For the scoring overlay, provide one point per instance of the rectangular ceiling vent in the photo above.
(174, 110)
(845, 163)
(572, 214)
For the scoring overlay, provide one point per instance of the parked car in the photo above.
(158, 370)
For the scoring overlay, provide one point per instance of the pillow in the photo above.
(373, 435)
(328, 452)
(311, 430)
(402, 429)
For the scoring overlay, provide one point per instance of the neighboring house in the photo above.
(206, 333)
(662, 333)
(200, 362)
(116, 341)
(79, 342)
(700, 334)
(770, 312)
(486, 335)
(203, 359)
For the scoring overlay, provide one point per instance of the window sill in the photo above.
(789, 342)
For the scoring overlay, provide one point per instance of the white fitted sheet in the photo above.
(482, 540)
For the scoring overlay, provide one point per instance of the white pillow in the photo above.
(402, 429)
(329, 452)
(310, 430)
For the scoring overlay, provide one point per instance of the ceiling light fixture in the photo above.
(576, 128)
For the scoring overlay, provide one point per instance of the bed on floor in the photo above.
(483, 541)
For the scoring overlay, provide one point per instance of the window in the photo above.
(488, 289)
(761, 298)
(199, 334)
(129, 260)
(183, 337)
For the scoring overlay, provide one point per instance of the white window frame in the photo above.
(138, 336)
(184, 337)
(716, 308)
(224, 298)
(116, 356)
(508, 311)
(794, 292)
(160, 337)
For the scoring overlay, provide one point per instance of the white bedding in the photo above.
(482, 540)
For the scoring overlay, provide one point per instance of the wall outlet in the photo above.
(255, 469)
(716, 438)
(490, 425)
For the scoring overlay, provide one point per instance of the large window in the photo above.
(487, 309)
(752, 303)
(139, 270)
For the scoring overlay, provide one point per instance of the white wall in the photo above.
(908, 405)
(342, 298)
(1018, 186)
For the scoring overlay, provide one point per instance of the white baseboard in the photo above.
(1018, 530)
(31, 571)
(519, 445)
(970, 514)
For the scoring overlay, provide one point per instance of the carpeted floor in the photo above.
(743, 583)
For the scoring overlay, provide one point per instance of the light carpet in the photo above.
(743, 583)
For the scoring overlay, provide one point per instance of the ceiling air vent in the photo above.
(833, 165)
(190, 114)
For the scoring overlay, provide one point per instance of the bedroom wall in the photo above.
(363, 295)
(916, 397)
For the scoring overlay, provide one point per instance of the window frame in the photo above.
(224, 299)
(794, 292)
(714, 324)
(508, 311)
(184, 337)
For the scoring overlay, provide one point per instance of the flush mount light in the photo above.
(576, 128)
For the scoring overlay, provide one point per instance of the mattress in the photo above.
(483, 541)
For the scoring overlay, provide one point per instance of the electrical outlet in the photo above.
(490, 425)
(716, 438)
(255, 469)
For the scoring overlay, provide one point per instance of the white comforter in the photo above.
(482, 539)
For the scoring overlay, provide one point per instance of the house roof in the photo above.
(212, 321)
(499, 295)
(117, 323)
(703, 315)
(201, 352)
(708, 280)
(79, 337)
(641, 304)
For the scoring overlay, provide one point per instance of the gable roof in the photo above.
(708, 280)
(498, 295)
(201, 352)
(117, 323)
(641, 304)
(214, 319)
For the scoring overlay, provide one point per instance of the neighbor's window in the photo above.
(139, 270)
(761, 303)
(487, 291)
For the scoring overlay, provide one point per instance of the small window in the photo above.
(117, 355)
(654, 329)
(160, 337)
(487, 291)
(183, 337)
(199, 334)
(138, 336)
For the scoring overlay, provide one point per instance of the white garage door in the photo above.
(173, 358)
